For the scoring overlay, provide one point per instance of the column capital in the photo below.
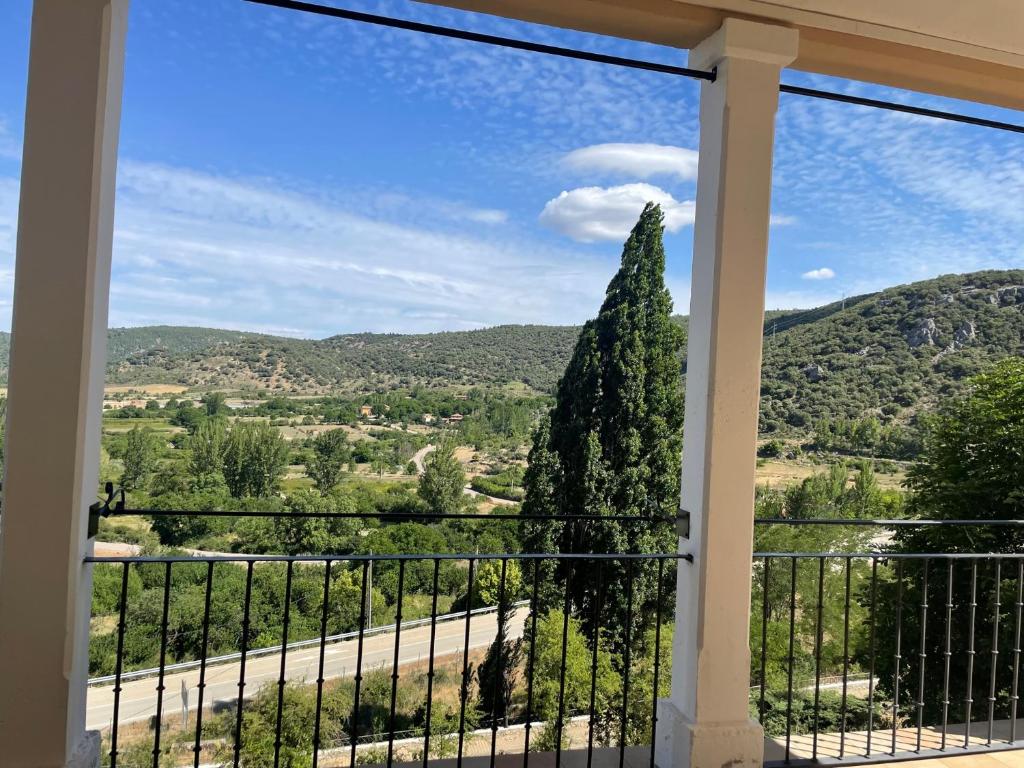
(749, 40)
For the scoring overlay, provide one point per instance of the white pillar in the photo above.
(705, 723)
(58, 351)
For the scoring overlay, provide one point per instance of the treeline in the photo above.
(867, 436)
(485, 418)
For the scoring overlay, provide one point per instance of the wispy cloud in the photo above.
(822, 273)
(636, 161)
(197, 248)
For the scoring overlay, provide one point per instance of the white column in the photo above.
(705, 723)
(58, 351)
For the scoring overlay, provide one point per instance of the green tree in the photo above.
(488, 582)
(542, 480)
(330, 454)
(972, 463)
(206, 453)
(254, 459)
(139, 457)
(499, 671)
(381, 460)
(214, 403)
(641, 682)
(259, 726)
(295, 534)
(615, 436)
(443, 480)
(578, 660)
(971, 467)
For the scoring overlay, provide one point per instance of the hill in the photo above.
(892, 352)
(888, 353)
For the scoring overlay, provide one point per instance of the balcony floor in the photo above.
(909, 745)
(1009, 759)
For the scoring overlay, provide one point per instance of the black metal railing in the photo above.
(876, 657)
(263, 660)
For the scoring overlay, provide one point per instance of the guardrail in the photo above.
(609, 607)
(271, 650)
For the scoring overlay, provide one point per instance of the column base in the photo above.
(682, 743)
(87, 754)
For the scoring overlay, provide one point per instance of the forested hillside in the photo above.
(887, 354)
(893, 352)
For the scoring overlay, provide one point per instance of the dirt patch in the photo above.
(149, 389)
(777, 473)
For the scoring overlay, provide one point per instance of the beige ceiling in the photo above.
(969, 49)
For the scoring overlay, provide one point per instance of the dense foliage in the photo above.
(614, 438)
(972, 467)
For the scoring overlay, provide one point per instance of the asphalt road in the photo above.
(138, 697)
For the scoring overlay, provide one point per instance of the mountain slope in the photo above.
(897, 350)
(890, 352)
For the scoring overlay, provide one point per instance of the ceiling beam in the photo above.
(870, 51)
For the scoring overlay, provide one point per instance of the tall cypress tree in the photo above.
(613, 441)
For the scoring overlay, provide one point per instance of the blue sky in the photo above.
(307, 176)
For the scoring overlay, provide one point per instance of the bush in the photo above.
(829, 715)
(488, 487)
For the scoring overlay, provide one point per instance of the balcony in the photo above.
(577, 673)
(856, 657)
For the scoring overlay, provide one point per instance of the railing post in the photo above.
(705, 722)
(61, 285)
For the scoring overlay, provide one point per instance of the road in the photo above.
(498, 502)
(420, 455)
(418, 459)
(138, 697)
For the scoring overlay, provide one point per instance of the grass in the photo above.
(779, 473)
(292, 484)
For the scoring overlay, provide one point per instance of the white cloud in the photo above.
(781, 220)
(589, 214)
(823, 273)
(636, 160)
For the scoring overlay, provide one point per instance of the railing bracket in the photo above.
(104, 508)
(683, 524)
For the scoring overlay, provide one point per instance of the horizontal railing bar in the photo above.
(899, 523)
(892, 106)
(270, 650)
(241, 558)
(895, 555)
(131, 512)
(478, 37)
(601, 58)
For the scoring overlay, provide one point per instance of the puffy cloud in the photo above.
(589, 214)
(636, 160)
(823, 273)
